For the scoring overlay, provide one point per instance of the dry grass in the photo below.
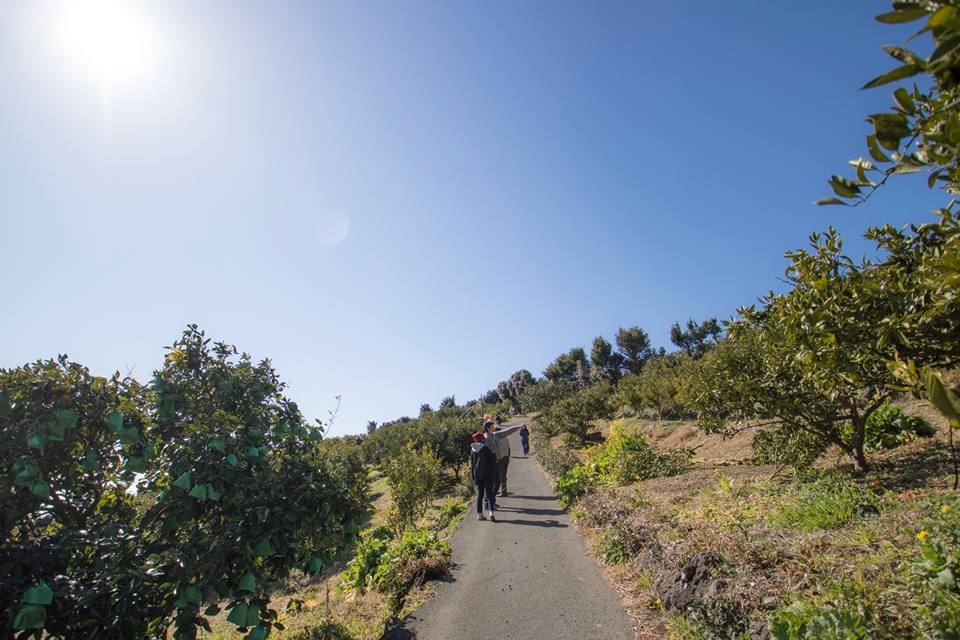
(728, 508)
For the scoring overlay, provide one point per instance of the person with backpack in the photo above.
(483, 469)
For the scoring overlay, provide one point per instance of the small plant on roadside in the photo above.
(449, 514)
(556, 461)
(610, 548)
(413, 477)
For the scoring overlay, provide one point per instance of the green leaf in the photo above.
(253, 616)
(135, 464)
(114, 420)
(31, 616)
(941, 17)
(945, 400)
(843, 187)
(38, 594)
(238, 615)
(90, 461)
(903, 55)
(253, 452)
(945, 49)
(189, 596)
(52, 430)
(264, 548)
(199, 492)
(232, 459)
(899, 73)
(247, 583)
(904, 101)
(212, 493)
(129, 436)
(875, 152)
(219, 445)
(40, 490)
(901, 16)
(66, 418)
(36, 441)
(183, 481)
(316, 565)
(212, 610)
(257, 633)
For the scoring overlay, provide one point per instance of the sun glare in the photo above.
(110, 40)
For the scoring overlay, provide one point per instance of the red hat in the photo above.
(477, 437)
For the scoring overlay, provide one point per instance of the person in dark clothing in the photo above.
(525, 439)
(483, 468)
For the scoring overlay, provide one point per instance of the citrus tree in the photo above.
(132, 509)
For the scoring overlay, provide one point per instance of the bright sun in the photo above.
(110, 40)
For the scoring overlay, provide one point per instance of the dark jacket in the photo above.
(524, 434)
(483, 462)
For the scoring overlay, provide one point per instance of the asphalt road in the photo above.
(525, 577)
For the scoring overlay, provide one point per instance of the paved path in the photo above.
(525, 577)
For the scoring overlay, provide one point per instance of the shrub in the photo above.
(232, 495)
(830, 621)
(556, 461)
(418, 555)
(610, 548)
(413, 477)
(624, 458)
(788, 446)
(449, 513)
(391, 566)
(628, 457)
(572, 415)
(890, 427)
(573, 484)
(367, 556)
(825, 504)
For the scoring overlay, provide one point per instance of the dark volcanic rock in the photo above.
(691, 584)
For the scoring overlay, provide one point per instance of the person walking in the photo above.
(525, 439)
(496, 441)
(483, 468)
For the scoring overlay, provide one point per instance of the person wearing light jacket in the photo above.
(497, 441)
(483, 469)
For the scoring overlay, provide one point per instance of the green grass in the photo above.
(827, 503)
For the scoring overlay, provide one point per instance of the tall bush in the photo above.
(413, 477)
(130, 509)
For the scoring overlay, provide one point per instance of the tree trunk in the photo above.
(856, 444)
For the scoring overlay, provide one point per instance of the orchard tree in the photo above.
(371, 426)
(658, 387)
(807, 359)
(574, 414)
(233, 493)
(605, 364)
(697, 338)
(633, 345)
(449, 402)
(572, 366)
(425, 409)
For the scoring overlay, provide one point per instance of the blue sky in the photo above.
(397, 201)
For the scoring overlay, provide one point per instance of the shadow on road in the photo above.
(517, 495)
(534, 523)
(531, 511)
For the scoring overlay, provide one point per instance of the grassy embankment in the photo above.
(721, 550)
(328, 610)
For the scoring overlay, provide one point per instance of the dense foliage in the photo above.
(128, 508)
(626, 457)
(413, 476)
